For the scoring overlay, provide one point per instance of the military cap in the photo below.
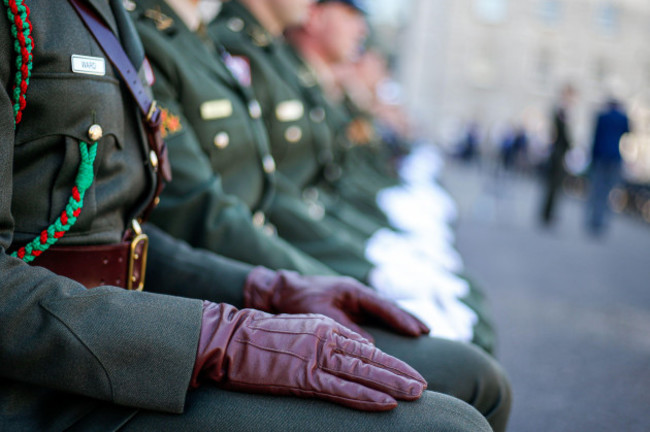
(356, 4)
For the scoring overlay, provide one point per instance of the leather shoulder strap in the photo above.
(116, 55)
(151, 114)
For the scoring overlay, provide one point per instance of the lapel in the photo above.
(103, 9)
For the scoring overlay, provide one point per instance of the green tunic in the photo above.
(66, 350)
(311, 163)
(224, 176)
(226, 187)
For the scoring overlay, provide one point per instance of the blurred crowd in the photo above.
(597, 175)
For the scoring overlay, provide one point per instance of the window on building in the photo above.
(607, 16)
(550, 11)
(491, 11)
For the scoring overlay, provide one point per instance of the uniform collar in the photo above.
(104, 10)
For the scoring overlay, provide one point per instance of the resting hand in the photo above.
(341, 298)
(301, 355)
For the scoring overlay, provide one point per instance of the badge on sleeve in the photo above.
(149, 75)
(216, 109)
(290, 110)
(240, 67)
(170, 124)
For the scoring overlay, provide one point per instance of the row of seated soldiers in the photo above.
(272, 143)
(287, 158)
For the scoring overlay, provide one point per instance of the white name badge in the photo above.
(216, 109)
(88, 65)
(291, 110)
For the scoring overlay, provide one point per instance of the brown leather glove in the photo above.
(301, 355)
(340, 298)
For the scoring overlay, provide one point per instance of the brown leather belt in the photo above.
(122, 265)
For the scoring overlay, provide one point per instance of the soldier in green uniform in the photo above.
(319, 163)
(226, 181)
(114, 359)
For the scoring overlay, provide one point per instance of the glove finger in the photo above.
(342, 391)
(365, 364)
(342, 318)
(392, 315)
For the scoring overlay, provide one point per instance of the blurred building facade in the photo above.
(501, 64)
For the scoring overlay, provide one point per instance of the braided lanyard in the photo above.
(21, 30)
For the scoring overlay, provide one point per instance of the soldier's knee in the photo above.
(483, 384)
(448, 414)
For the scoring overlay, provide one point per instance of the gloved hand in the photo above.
(301, 355)
(341, 298)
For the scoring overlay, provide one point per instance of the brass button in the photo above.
(153, 158)
(269, 164)
(156, 201)
(221, 140)
(129, 5)
(317, 115)
(259, 219)
(293, 134)
(95, 132)
(236, 25)
(255, 109)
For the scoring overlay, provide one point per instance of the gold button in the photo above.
(259, 219)
(156, 201)
(95, 132)
(221, 140)
(293, 134)
(129, 5)
(153, 158)
(255, 109)
(236, 24)
(269, 164)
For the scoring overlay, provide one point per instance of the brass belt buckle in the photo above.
(137, 257)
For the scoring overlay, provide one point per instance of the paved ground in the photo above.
(573, 313)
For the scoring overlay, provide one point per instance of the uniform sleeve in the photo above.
(175, 268)
(133, 349)
(309, 230)
(195, 208)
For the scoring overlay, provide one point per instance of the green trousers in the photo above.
(211, 409)
(466, 387)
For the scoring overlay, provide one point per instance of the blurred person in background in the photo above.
(555, 170)
(468, 147)
(605, 171)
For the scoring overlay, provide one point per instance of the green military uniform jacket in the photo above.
(223, 171)
(289, 112)
(68, 354)
(354, 180)
(225, 181)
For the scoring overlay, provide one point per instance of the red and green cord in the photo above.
(21, 30)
